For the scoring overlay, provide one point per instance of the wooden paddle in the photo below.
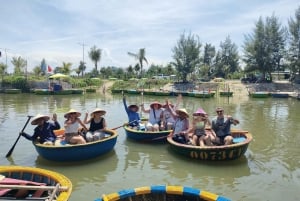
(123, 125)
(13, 147)
(30, 187)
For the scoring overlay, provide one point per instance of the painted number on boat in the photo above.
(216, 155)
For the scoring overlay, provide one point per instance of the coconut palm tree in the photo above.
(19, 64)
(81, 67)
(66, 68)
(140, 56)
(95, 55)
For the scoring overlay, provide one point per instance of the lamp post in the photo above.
(82, 44)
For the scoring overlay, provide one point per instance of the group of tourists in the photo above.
(200, 132)
(76, 131)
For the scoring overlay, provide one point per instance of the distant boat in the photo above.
(279, 95)
(162, 193)
(146, 136)
(29, 183)
(226, 93)
(259, 94)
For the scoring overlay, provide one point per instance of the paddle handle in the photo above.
(13, 147)
(30, 187)
(123, 125)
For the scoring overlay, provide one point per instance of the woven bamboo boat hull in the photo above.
(214, 153)
(162, 193)
(30, 174)
(79, 152)
(146, 136)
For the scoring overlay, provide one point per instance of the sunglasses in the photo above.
(73, 113)
(219, 111)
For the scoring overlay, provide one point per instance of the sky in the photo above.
(65, 30)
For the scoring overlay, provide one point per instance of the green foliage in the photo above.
(186, 55)
(17, 82)
(95, 55)
(294, 43)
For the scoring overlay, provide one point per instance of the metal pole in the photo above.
(82, 44)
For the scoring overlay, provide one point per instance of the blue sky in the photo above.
(56, 29)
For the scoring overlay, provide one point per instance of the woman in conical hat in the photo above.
(43, 131)
(97, 125)
(155, 116)
(181, 125)
(200, 122)
(72, 124)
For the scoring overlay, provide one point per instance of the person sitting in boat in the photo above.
(168, 120)
(43, 132)
(221, 127)
(97, 125)
(200, 122)
(133, 115)
(72, 123)
(155, 116)
(181, 125)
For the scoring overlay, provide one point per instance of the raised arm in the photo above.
(86, 120)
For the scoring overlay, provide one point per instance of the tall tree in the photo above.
(19, 65)
(294, 43)
(43, 66)
(264, 48)
(229, 57)
(95, 55)
(3, 68)
(186, 55)
(81, 68)
(141, 57)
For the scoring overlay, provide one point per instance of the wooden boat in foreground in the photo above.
(28, 183)
(146, 136)
(215, 153)
(78, 152)
(162, 193)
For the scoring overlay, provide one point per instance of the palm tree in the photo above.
(19, 64)
(95, 55)
(66, 68)
(82, 68)
(140, 56)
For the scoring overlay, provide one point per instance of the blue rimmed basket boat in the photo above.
(279, 95)
(215, 153)
(29, 183)
(146, 136)
(162, 193)
(69, 153)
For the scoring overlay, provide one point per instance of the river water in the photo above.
(270, 169)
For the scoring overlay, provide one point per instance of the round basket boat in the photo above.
(28, 183)
(162, 193)
(215, 153)
(68, 152)
(147, 136)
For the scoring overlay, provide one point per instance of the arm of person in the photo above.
(125, 104)
(86, 120)
(82, 124)
(144, 110)
(27, 136)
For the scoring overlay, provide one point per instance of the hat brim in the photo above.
(78, 114)
(182, 112)
(36, 119)
(155, 103)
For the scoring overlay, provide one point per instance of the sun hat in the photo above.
(103, 112)
(154, 103)
(219, 109)
(182, 110)
(199, 111)
(133, 106)
(38, 117)
(72, 111)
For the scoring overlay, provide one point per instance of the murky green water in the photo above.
(270, 169)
